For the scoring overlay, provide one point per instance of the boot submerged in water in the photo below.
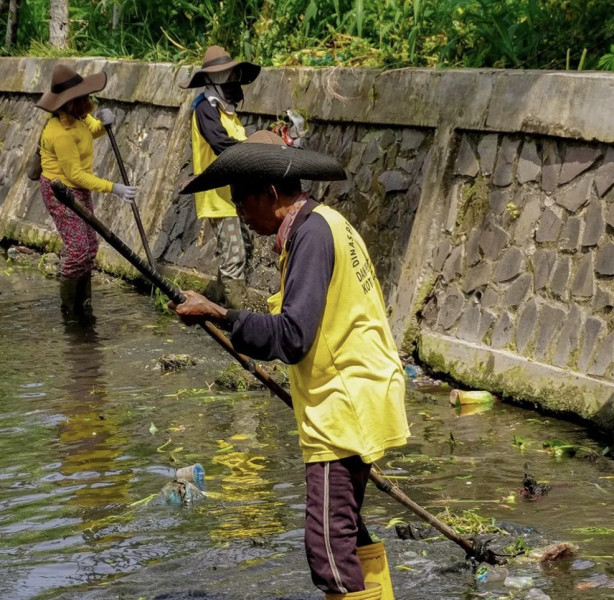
(76, 295)
(373, 591)
(68, 294)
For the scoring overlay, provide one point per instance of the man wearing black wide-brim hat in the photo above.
(328, 323)
(216, 127)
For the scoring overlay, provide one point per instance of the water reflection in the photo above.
(77, 450)
(89, 437)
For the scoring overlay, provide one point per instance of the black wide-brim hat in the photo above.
(217, 60)
(264, 158)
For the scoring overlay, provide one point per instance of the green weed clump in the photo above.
(534, 34)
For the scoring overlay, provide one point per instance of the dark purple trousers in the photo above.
(333, 525)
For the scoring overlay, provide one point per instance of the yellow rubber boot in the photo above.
(373, 592)
(375, 567)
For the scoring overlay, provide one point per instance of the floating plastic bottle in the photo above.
(460, 397)
(194, 473)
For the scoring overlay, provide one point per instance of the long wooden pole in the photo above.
(63, 194)
(135, 209)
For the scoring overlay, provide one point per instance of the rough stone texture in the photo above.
(610, 215)
(551, 166)
(568, 338)
(549, 227)
(560, 277)
(469, 325)
(602, 299)
(577, 160)
(575, 195)
(527, 221)
(466, 160)
(550, 319)
(493, 240)
(453, 266)
(593, 224)
(529, 163)
(604, 265)
(503, 332)
(498, 199)
(518, 290)
(472, 248)
(583, 281)
(570, 236)
(503, 174)
(489, 298)
(394, 181)
(525, 328)
(543, 263)
(592, 329)
(487, 150)
(477, 277)
(441, 253)
(510, 265)
(487, 318)
(604, 178)
(451, 308)
(604, 355)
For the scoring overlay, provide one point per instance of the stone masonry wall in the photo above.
(485, 198)
(526, 260)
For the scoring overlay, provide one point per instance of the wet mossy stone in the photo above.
(236, 378)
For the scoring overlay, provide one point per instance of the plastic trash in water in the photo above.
(181, 493)
(461, 397)
(481, 575)
(413, 371)
(194, 474)
(518, 583)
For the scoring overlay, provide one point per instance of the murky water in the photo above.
(89, 426)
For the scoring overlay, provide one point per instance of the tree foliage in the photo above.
(542, 34)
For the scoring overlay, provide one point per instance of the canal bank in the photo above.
(485, 198)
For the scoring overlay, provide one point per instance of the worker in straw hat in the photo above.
(67, 153)
(328, 323)
(215, 127)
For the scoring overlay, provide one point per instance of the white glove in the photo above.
(106, 117)
(125, 192)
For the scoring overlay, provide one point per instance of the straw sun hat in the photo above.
(66, 85)
(264, 158)
(217, 60)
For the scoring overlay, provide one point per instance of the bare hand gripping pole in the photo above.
(477, 551)
(135, 210)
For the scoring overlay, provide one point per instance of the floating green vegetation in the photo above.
(563, 449)
(594, 530)
(519, 547)
(470, 523)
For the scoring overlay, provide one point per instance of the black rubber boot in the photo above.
(84, 294)
(68, 295)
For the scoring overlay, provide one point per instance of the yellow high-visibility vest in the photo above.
(348, 392)
(213, 203)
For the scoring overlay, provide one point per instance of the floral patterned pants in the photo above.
(80, 241)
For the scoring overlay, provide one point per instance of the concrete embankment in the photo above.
(486, 199)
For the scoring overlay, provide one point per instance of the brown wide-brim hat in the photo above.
(217, 60)
(66, 85)
(264, 158)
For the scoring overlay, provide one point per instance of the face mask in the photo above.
(232, 91)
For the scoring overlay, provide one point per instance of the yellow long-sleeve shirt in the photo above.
(67, 152)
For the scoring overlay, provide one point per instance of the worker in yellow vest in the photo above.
(328, 323)
(216, 127)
